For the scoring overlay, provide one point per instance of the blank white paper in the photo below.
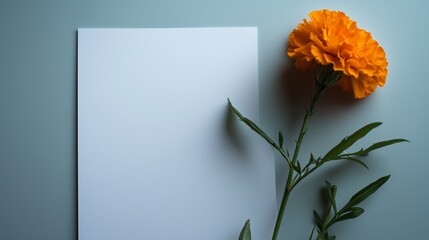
(158, 156)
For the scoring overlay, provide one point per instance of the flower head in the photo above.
(331, 37)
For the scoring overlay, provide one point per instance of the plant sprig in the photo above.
(349, 211)
(297, 173)
(326, 76)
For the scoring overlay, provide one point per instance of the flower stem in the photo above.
(289, 183)
(281, 212)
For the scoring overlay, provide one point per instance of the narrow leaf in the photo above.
(350, 140)
(280, 139)
(261, 133)
(312, 158)
(332, 191)
(319, 221)
(298, 167)
(365, 193)
(353, 160)
(245, 232)
(312, 232)
(382, 144)
(353, 213)
(251, 124)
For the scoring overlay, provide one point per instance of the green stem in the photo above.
(289, 183)
(309, 113)
(281, 212)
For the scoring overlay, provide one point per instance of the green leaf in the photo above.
(261, 133)
(380, 145)
(312, 158)
(326, 75)
(312, 232)
(354, 212)
(364, 193)
(298, 167)
(245, 232)
(251, 124)
(319, 221)
(353, 160)
(332, 191)
(350, 140)
(280, 139)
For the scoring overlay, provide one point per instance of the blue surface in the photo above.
(37, 105)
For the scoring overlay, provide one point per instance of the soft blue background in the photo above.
(37, 108)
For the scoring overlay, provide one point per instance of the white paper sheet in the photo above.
(157, 156)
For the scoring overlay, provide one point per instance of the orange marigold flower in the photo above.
(331, 37)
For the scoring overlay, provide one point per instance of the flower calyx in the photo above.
(326, 76)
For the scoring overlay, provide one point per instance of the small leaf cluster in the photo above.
(350, 210)
(338, 152)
